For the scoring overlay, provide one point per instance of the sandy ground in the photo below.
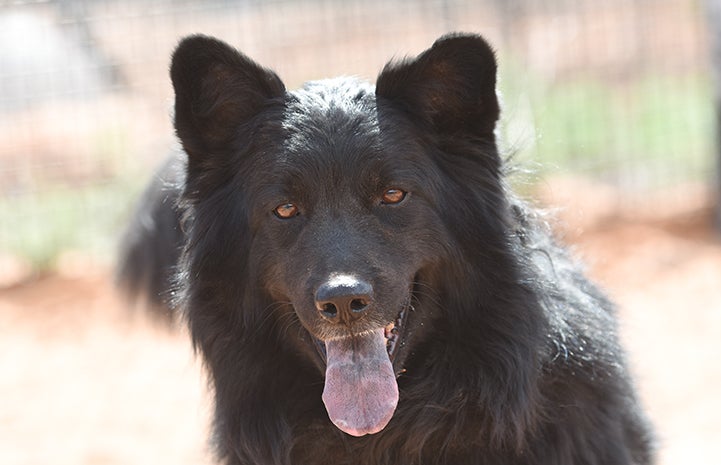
(83, 381)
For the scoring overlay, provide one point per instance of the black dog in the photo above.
(362, 286)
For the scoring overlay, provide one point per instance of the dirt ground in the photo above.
(85, 382)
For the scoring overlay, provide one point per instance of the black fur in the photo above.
(508, 355)
(153, 242)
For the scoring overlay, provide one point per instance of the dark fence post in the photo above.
(713, 8)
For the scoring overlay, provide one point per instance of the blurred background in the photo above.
(610, 118)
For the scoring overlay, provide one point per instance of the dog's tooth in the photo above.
(389, 329)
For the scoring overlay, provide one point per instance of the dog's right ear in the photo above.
(217, 90)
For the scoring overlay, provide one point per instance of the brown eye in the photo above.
(286, 210)
(393, 196)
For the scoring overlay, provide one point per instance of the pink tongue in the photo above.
(360, 391)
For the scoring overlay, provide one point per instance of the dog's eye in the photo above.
(393, 196)
(286, 210)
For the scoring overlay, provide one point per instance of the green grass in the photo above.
(657, 130)
(39, 227)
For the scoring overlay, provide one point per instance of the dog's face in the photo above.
(339, 196)
(347, 220)
(346, 212)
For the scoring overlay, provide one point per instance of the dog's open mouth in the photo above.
(361, 392)
(393, 333)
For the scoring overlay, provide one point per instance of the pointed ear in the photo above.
(217, 89)
(451, 87)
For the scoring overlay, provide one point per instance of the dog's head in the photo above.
(333, 201)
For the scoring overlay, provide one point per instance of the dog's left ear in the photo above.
(451, 86)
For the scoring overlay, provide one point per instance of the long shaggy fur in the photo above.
(510, 355)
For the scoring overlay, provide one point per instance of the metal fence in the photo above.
(617, 91)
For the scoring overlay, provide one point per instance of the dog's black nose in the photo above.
(343, 298)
